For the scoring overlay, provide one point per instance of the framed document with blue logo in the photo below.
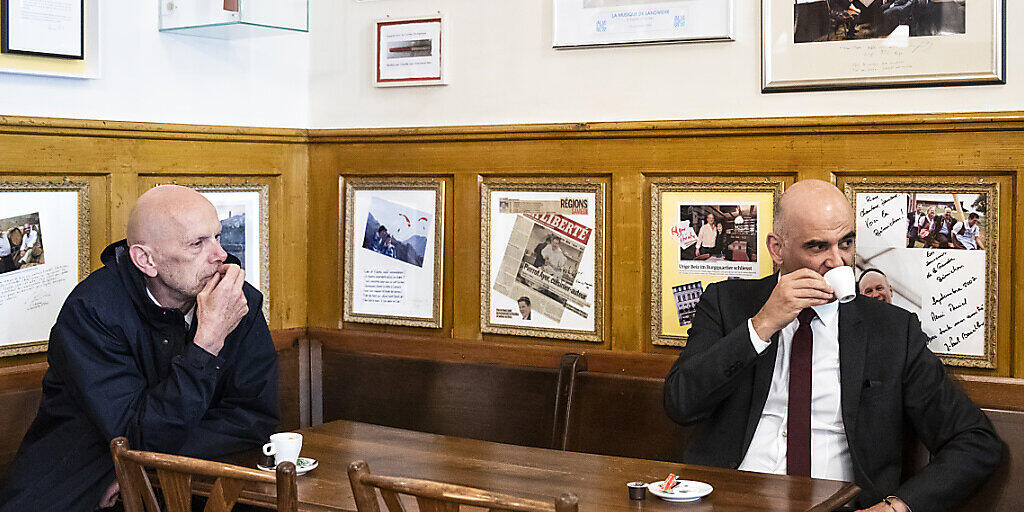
(589, 23)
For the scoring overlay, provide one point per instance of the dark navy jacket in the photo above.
(119, 365)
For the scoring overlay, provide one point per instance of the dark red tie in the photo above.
(798, 425)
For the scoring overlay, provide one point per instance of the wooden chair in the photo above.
(440, 497)
(175, 476)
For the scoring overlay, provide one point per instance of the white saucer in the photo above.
(684, 490)
(304, 465)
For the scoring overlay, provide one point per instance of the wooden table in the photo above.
(598, 480)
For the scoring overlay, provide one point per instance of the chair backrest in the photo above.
(175, 472)
(440, 497)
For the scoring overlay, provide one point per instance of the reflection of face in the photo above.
(876, 286)
(949, 212)
(524, 309)
(711, 218)
(931, 212)
(820, 241)
(190, 254)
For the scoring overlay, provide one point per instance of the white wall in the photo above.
(154, 77)
(505, 71)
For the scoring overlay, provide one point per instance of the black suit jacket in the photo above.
(887, 376)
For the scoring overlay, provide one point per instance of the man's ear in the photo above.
(142, 257)
(774, 243)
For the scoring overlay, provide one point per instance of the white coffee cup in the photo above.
(284, 446)
(842, 282)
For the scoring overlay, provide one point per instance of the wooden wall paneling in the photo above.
(324, 239)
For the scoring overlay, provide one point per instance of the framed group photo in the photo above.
(44, 253)
(849, 44)
(932, 248)
(590, 23)
(394, 250)
(542, 258)
(703, 232)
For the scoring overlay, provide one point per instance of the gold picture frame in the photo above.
(763, 192)
(81, 188)
(258, 185)
(551, 187)
(937, 187)
(351, 186)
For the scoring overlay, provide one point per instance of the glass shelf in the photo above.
(253, 18)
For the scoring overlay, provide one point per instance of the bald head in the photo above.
(164, 212)
(813, 228)
(806, 197)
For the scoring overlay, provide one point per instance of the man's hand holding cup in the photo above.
(797, 290)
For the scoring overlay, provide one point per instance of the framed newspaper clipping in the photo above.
(703, 232)
(394, 243)
(44, 253)
(542, 258)
(933, 248)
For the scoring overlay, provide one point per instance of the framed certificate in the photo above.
(588, 23)
(410, 51)
(49, 28)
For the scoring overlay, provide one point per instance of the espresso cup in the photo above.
(842, 282)
(284, 446)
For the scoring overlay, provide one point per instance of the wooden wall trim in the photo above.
(17, 125)
(30, 375)
(488, 352)
(893, 123)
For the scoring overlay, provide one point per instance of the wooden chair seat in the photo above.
(434, 496)
(175, 473)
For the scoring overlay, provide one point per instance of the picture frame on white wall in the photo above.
(411, 51)
(808, 45)
(55, 28)
(594, 23)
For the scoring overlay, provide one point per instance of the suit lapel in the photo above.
(764, 367)
(852, 353)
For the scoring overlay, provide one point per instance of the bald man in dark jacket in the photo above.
(197, 377)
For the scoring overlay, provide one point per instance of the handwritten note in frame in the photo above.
(933, 249)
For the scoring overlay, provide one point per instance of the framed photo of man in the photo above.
(394, 250)
(703, 232)
(848, 44)
(542, 258)
(933, 249)
(244, 213)
(44, 253)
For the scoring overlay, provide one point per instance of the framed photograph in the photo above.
(411, 51)
(44, 253)
(849, 44)
(394, 251)
(703, 232)
(542, 258)
(932, 249)
(589, 23)
(51, 28)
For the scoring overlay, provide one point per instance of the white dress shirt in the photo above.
(830, 453)
(188, 316)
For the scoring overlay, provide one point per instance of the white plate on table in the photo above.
(684, 490)
(302, 466)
